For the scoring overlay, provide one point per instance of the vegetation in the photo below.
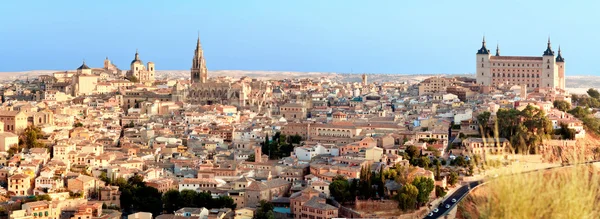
(524, 129)
(452, 178)
(78, 124)
(280, 146)
(340, 190)
(174, 200)
(251, 158)
(30, 136)
(133, 79)
(564, 193)
(589, 121)
(264, 211)
(565, 132)
(407, 197)
(439, 191)
(562, 105)
(483, 119)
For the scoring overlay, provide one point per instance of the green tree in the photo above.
(439, 191)
(423, 162)
(407, 197)
(452, 178)
(148, 199)
(483, 120)
(562, 105)
(412, 152)
(78, 124)
(593, 93)
(30, 136)
(425, 186)
(187, 197)
(225, 202)
(202, 199)
(264, 211)
(566, 132)
(340, 190)
(171, 201)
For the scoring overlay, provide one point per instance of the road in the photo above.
(465, 189)
(458, 195)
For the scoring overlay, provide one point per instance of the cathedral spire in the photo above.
(559, 58)
(497, 49)
(483, 50)
(549, 51)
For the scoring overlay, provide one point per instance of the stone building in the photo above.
(543, 72)
(244, 92)
(83, 82)
(142, 73)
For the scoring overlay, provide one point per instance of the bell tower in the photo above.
(199, 73)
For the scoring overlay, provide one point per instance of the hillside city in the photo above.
(105, 142)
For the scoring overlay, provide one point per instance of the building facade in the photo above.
(140, 71)
(544, 72)
(221, 90)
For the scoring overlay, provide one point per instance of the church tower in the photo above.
(199, 73)
(483, 74)
(560, 64)
(549, 78)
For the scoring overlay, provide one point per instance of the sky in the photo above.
(345, 36)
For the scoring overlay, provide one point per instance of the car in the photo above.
(436, 210)
(453, 200)
(430, 214)
(447, 206)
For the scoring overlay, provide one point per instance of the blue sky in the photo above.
(309, 35)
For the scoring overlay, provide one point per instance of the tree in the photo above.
(78, 124)
(187, 197)
(425, 186)
(593, 93)
(340, 190)
(562, 105)
(423, 162)
(460, 161)
(202, 199)
(29, 137)
(171, 201)
(439, 191)
(148, 199)
(264, 211)
(412, 152)
(452, 178)
(566, 132)
(133, 79)
(225, 202)
(483, 120)
(407, 197)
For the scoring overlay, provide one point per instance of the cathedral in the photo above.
(139, 71)
(221, 90)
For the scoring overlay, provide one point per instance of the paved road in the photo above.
(458, 194)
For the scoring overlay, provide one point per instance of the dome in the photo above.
(83, 66)
(137, 59)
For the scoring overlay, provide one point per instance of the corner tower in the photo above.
(199, 73)
(549, 77)
(560, 64)
(482, 72)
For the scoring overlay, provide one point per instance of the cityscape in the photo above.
(515, 136)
